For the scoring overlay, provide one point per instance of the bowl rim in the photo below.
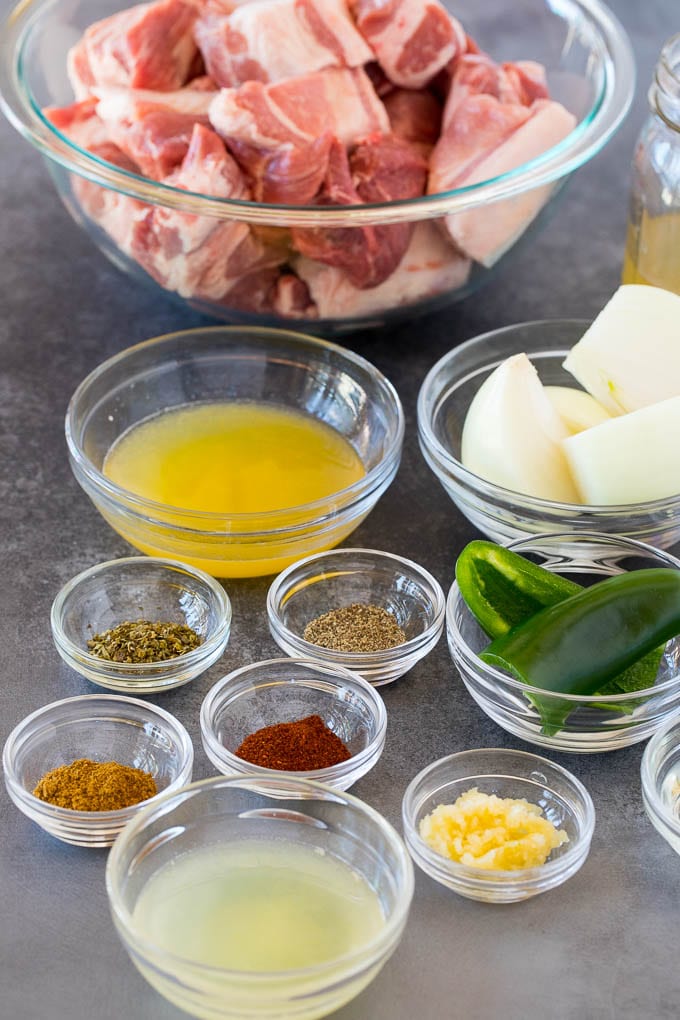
(330, 773)
(536, 874)
(90, 819)
(430, 398)
(504, 679)
(297, 517)
(616, 90)
(361, 958)
(650, 791)
(186, 661)
(282, 581)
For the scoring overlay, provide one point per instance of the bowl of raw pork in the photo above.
(323, 162)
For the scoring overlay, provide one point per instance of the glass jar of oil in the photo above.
(653, 241)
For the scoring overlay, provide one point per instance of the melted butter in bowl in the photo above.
(237, 450)
(233, 458)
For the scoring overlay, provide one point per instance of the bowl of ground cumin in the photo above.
(294, 716)
(370, 611)
(82, 767)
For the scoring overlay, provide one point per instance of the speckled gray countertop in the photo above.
(605, 944)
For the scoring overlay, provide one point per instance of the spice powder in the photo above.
(359, 627)
(86, 785)
(299, 746)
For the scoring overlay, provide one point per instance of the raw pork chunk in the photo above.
(484, 233)
(415, 116)
(281, 133)
(113, 212)
(269, 40)
(429, 266)
(476, 73)
(150, 46)
(200, 256)
(381, 168)
(412, 40)
(481, 124)
(154, 129)
(81, 124)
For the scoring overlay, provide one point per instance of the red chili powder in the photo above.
(298, 746)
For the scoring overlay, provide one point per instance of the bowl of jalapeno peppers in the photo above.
(569, 641)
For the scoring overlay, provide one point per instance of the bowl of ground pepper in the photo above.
(140, 625)
(292, 716)
(82, 767)
(370, 611)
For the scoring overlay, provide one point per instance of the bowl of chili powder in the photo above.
(294, 716)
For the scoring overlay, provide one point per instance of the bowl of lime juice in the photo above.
(240, 896)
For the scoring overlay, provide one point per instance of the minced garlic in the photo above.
(489, 832)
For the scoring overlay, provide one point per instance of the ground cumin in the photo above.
(299, 746)
(359, 627)
(86, 785)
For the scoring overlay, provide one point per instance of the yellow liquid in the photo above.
(236, 458)
(269, 906)
(231, 458)
(258, 907)
(652, 253)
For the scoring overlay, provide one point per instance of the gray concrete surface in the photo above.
(604, 945)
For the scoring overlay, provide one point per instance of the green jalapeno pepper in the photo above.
(578, 645)
(502, 589)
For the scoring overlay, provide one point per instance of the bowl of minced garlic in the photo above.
(497, 825)
(482, 830)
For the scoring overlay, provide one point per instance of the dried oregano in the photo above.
(143, 641)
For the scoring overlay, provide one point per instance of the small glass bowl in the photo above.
(287, 371)
(226, 811)
(317, 584)
(596, 723)
(99, 727)
(136, 588)
(516, 774)
(284, 690)
(502, 514)
(660, 771)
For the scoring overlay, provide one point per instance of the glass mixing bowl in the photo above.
(594, 723)
(236, 815)
(660, 772)
(282, 691)
(135, 588)
(220, 364)
(319, 584)
(503, 514)
(590, 71)
(101, 728)
(501, 773)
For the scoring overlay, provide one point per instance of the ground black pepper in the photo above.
(359, 627)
